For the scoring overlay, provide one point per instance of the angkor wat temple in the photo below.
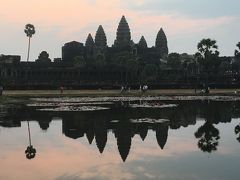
(92, 64)
(96, 65)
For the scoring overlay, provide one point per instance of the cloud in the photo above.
(58, 22)
(76, 16)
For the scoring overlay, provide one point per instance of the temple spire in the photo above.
(161, 43)
(123, 33)
(100, 38)
(89, 41)
(142, 43)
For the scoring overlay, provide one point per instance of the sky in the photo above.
(185, 22)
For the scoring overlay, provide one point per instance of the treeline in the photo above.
(203, 67)
(132, 66)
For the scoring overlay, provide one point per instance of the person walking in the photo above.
(61, 89)
(1, 90)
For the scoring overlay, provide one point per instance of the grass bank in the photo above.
(99, 93)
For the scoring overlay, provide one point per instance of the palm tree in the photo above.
(208, 53)
(237, 132)
(29, 30)
(237, 51)
(208, 58)
(30, 151)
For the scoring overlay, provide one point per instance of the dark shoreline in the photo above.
(116, 93)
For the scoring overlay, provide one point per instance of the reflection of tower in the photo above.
(44, 123)
(90, 134)
(143, 130)
(30, 151)
(162, 134)
(100, 129)
(73, 128)
(124, 139)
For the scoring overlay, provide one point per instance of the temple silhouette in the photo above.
(98, 48)
(90, 64)
(95, 126)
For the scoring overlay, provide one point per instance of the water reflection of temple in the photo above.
(123, 130)
(95, 126)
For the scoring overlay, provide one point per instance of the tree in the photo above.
(236, 62)
(208, 137)
(207, 55)
(29, 30)
(225, 66)
(208, 59)
(149, 73)
(174, 60)
(237, 132)
(127, 64)
(30, 151)
(237, 52)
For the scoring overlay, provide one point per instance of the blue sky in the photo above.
(185, 23)
(191, 8)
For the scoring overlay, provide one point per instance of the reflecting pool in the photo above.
(120, 138)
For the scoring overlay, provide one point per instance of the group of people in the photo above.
(205, 90)
(125, 88)
(143, 88)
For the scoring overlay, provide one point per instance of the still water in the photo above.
(73, 139)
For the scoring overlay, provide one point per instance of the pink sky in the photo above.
(60, 21)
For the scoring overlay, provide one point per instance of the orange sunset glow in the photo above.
(61, 21)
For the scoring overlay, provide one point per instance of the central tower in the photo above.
(100, 38)
(123, 34)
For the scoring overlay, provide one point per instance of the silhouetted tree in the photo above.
(30, 151)
(224, 66)
(237, 132)
(207, 55)
(237, 51)
(29, 30)
(208, 137)
(236, 62)
(208, 59)
(174, 61)
(149, 73)
(127, 64)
